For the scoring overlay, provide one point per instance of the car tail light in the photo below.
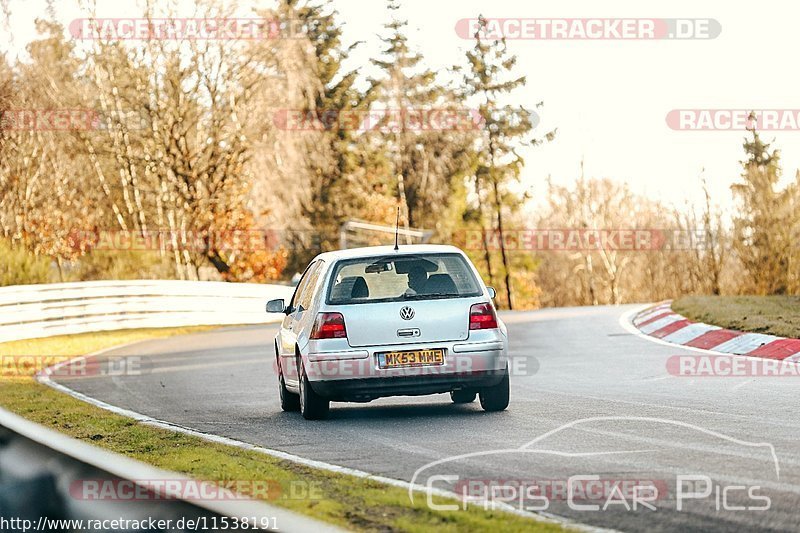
(482, 316)
(329, 326)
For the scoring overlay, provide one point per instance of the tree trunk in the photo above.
(590, 273)
(507, 270)
(487, 256)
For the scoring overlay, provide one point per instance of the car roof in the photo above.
(404, 249)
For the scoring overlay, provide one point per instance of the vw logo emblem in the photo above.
(406, 313)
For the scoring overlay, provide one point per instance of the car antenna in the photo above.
(397, 231)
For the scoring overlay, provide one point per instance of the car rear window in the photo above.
(400, 278)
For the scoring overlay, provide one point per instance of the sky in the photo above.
(609, 99)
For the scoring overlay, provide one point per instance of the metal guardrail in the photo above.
(349, 228)
(35, 311)
(40, 470)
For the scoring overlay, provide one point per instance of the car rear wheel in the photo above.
(289, 400)
(463, 396)
(312, 405)
(496, 398)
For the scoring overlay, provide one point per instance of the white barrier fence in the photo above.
(35, 311)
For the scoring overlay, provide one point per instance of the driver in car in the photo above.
(417, 276)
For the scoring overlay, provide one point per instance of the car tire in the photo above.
(312, 405)
(496, 398)
(290, 401)
(463, 396)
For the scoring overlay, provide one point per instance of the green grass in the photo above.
(774, 315)
(347, 501)
(21, 359)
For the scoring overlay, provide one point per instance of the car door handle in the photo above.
(408, 332)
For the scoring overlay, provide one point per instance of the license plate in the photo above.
(412, 358)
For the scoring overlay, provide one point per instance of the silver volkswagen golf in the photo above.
(373, 322)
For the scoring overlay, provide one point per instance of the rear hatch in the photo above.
(380, 324)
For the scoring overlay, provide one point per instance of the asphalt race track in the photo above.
(627, 421)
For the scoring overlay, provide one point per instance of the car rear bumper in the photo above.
(352, 375)
(358, 390)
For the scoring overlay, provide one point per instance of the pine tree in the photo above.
(328, 163)
(487, 80)
(342, 190)
(426, 161)
(764, 228)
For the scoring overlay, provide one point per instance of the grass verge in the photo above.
(354, 503)
(774, 315)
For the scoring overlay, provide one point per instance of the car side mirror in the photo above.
(492, 292)
(276, 306)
